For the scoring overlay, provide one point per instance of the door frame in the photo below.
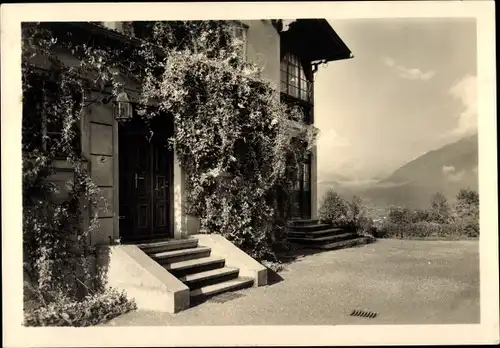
(118, 133)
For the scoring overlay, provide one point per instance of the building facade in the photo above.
(143, 184)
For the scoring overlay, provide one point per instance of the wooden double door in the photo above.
(146, 177)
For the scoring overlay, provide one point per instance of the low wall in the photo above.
(144, 280)
(235, 257)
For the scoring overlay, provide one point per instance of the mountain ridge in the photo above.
(446, 169)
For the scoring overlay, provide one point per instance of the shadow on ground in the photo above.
(298, 252)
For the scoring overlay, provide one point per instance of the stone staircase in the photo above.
(206, 275)
(315, 235)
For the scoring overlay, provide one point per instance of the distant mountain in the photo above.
(432, 167)
(447, 170)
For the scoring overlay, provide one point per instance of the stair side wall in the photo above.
(149, 284)
(234, 257)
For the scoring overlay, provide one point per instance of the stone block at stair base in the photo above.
(149, 284)
(235, 257)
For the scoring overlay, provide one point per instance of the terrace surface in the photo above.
(404, 281)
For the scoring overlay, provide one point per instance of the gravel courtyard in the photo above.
(404, 281)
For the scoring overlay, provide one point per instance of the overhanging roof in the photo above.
(314, 40)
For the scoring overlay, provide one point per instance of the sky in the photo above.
(410, 88)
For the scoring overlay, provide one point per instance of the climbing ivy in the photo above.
(238, 145)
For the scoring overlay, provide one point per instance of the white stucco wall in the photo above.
(263, 47)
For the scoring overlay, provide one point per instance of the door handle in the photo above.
(137, 177)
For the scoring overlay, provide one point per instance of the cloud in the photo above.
(408, 73)
(448, 169)
(388, 184)
(331, 139)
(389, 61)
(465, 91)
(414, 74)
(452, 175)
(357, 182)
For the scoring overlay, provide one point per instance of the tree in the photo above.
(357, 212)
(421, 215)
(468, 198)
(400, 215)
(467, 211)
(440, 209)
(334, 209)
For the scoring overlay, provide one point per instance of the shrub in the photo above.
(334, 210)
(274, 266)
(356, 213)
(92, 310)
(423, 230)
(420, 215)
(400, 215)
(367, 225)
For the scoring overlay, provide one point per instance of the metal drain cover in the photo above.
(228, 296)
(363, 314)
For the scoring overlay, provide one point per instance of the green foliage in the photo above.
(440, 209)
(422, 229)
(91, 310)
(467, 206)
(441, 221)
(55, 240)
(339, 212)
(400, 215)
(238, 145)
(357, 214)
(274, 266)
(467, 211)
(58, 259)
(421, 215)
(334, 209)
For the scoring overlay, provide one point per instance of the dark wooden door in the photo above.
(301, 194)
(145, 185)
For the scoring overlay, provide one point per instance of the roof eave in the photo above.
(346, 53)
(332, 48)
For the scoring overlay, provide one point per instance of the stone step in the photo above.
(182, 268)
(171, 256)
(211, 290)
(324, 239)
(166, 245)
(343, 244)
(305, 228)
(202, 279)
(300, 222)
(312, 234)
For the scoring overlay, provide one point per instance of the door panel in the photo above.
(145, 175)
(141, 188)
(161, 175)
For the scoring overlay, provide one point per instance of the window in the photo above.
(38, 131)
(240, 35)
(293, 79)
(306, 171)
